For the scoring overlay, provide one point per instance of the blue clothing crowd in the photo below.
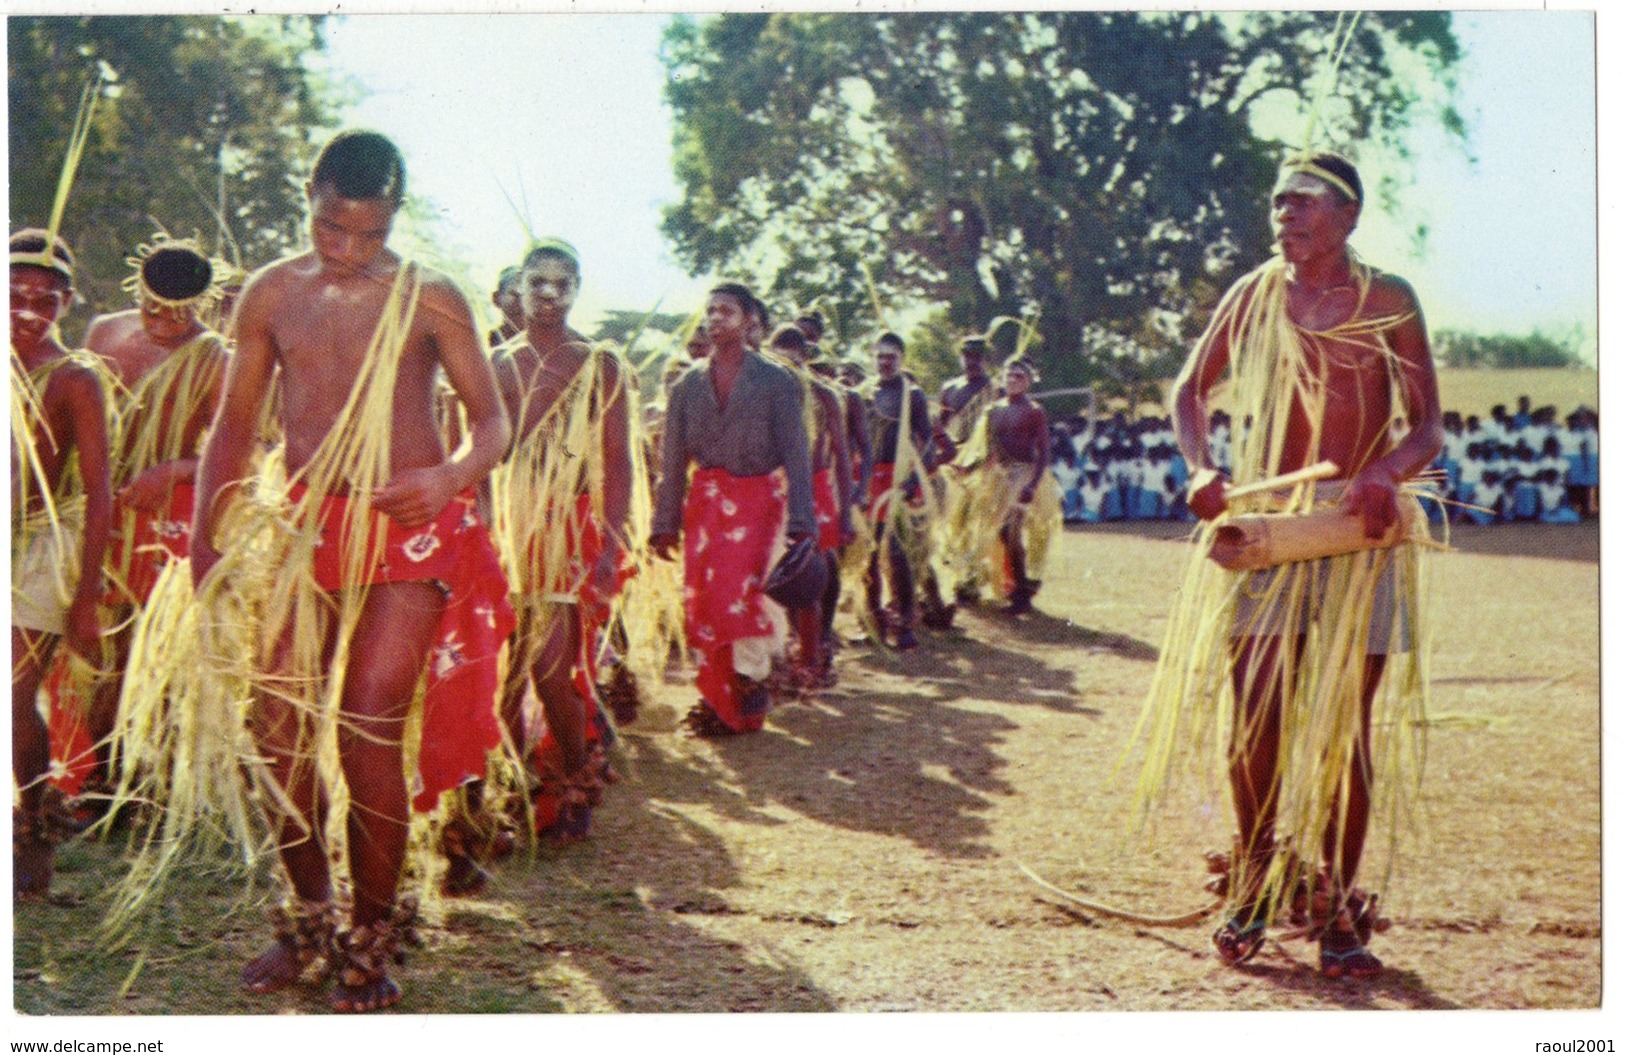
(1524, 465)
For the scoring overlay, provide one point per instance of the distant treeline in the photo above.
(1502, 351)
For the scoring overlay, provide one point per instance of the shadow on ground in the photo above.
(613, 924)
(915, 757)
(1580, 542)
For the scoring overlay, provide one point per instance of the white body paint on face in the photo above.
(1302, 183)
(547, 288)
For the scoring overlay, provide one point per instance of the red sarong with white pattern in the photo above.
(586, 546)
(460, 723)
(730, 524)
(146, 541)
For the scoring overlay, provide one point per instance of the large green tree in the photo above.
(1108, 169)
(189, 100)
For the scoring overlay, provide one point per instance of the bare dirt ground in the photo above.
(861, 854)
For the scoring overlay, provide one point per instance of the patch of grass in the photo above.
(1476, 391)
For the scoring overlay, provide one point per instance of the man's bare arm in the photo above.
(616, 438)
(1372, 491)
(235, 431)
(88, 413)
(1418, 392)
(857, 426)
(469, 371)
(1187, 404)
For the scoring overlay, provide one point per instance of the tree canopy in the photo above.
(192, 104)
(1504, 351)
(1109, 170)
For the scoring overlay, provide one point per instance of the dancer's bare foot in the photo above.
(363, 956)
(304, 932)
(371, 994)
(468, 848)
(276, 968)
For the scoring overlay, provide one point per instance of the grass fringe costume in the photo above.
(1185, 726)
(651, 603)
(550, 527)
(985, 496)
(45, 521)
(905, 505)
(166, 398)
(142, 541)
(258, 625)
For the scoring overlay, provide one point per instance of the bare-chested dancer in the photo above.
(311, 320)
(1319, 345)
(562, 515)
(963, 398)
(1018, 441)
(169, 366)
(61, 511)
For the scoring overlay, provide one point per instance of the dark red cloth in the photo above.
(155, 537)
(586, 545)
(72, 757)
(460, 723)
(730, 524)
(880, 485)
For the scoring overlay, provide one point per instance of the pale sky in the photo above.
(568, 107)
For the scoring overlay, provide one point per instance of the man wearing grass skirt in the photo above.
(1323, 354)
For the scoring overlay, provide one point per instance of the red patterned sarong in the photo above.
(460, 724)
(730, 524)
(827, 508)
(73, 756)
(146, 541)
(586, 545)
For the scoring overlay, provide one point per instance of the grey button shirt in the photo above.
(760, 431)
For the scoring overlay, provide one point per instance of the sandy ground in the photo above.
(861, 854)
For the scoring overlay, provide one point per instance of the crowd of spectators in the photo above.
(1523, 465)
